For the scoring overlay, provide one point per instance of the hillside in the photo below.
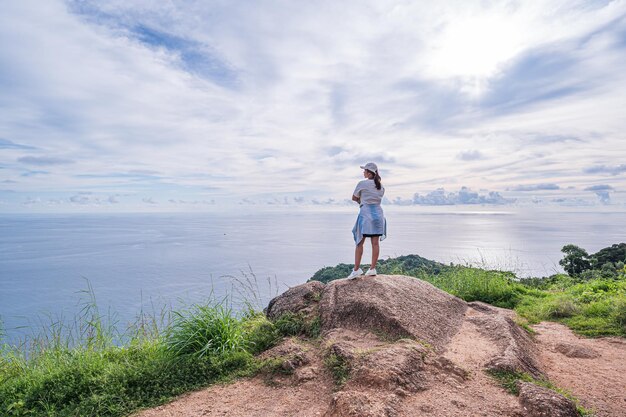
(397, 346)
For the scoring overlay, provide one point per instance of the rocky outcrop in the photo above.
(542, 402)
(517, 352)
(300, 299)
(395, 306)
(385, 338)
(576, 351)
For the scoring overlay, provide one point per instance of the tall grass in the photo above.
(474, 284)
(205, 330)
(90, 368)
(593, 308)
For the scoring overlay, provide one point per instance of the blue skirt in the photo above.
(371, 221)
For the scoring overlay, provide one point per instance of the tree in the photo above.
(576, 260)
(613, 254)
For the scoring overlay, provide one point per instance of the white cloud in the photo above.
(535, 187)
(440, 197)
(218, 102)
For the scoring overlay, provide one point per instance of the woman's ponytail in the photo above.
(377, 180)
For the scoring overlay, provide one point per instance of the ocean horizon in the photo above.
(136, 262)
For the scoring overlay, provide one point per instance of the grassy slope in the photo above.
(94, 377)
(208, 343)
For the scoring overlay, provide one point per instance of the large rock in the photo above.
(392, 306)
(542, 402)
(576, 351)
(362, 404)
(517, 351)
(299, 299)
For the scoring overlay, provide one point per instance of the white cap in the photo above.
(370, 166)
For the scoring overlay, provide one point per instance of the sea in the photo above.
(52, 265)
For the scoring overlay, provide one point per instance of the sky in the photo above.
(138, 105)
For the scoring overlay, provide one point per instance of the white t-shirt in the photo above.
(367, 192)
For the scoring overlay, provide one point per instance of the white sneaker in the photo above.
(355, 274)
(370, 272)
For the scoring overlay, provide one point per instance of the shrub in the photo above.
(290, 324)
(601, 308)
(330, 273)
(474, 284)
(618, 314)
(559, 307)
(593, 326)
(260, 333)
(339, 368)
(205, 330)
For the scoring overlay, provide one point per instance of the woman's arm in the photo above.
(357, 199)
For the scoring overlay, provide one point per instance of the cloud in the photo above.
(535, 187)
(44, 160)
(533, 78)
(604, 169)
(80, 199)
(194, 56)
(34, 173)
(470, 155)
(140, 98)
(325, 202)
(149, 200)
(572, 202)
(32, 201)
(604, 197)
(439, 197)
(194, 202)
(7, 144)
(602, 192)
(599, 187)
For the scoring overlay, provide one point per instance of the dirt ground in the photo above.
(260, 396)
(598, 379)
(599, 382)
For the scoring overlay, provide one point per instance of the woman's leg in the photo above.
(358, 254)
(375, 251)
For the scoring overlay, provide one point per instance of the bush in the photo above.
(411, 265)
(331, 273)
(205, 330)
(474, 284)
(339, 368)
(290, 324)
(260, 333)
(600, 308)
(618, 314)
(559, 307)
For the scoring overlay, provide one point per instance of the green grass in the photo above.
(594, 308)
(205, 330)
(89, 369)
(339, 368)
(81, 371)
(474, 284)
(298, 325)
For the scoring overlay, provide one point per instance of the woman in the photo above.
(371, 220)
